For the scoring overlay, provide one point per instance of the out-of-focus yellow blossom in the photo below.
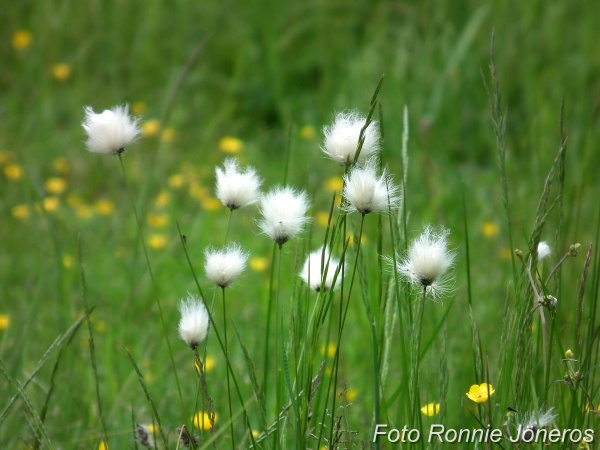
(84, 211)
(211, 204)
(104, 207)
(363, 240)
(151, 429)
(67, 261)
(322, 219)
(307, 132)
(103, 446)
(61, 72)
(209, 365)
(21, 212)
(162, 199)
(230, 145)
(4, 321)
(255, 434)
(51, 204)
(13, 171)
(55, 185)
(328, 351)
(157, 220)
(176, 181)
(490, 229)
(431, 409)
(351, 394)
(138, 108)
(150, 128)
(157, 241)
(21, 40)
(74, 200)
(480, 393)
(334, 184)
(201, 420)
(259, 263)
(167, 135)
(61, 165)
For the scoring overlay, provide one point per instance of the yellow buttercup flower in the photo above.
(351, 394)
(157, 220)
(307, 132)
(490, 229)
(102, 446)
(50, 204)
(157, 241)
(202, 420)
(162, 199)
(322, 219)
(13, 172)
(258, 263)
(176, 181)
(4, 321)
(211, 204)
(230, 145)
(151, 429)
(334, 184)
(84, 211)
(150, 128)
(21, 40)
(480, 393)
(21, 212)
(328, 351)
(431, 409)
(209, 364)
(55, 185)
(104, 207)
(68, 261)
(61, 72)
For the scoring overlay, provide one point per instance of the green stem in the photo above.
(416, 357)
(227, 358)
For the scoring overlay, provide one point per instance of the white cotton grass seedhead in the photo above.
(111, 130)
(320, 271)
(528, 428)
(342, 138)
(366, 192)
(194, 322)
(224, 266)
(428, 261)
(543, 250)
(236, 188)
(283, 211)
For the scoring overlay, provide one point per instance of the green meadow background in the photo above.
(259, 80)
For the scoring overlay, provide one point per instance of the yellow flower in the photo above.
(363, 240)
(102, 446)
(4, 321)
(209, 365)
(150, 128)
(258, 263)
(138, 108)
(481, 393)
(202, 421)
(84, 211)
(334, 184)
(490, 229)
(21, 212)
(151, 429)
(255, 434)
(67, 261)
(307, 132)
(176, 181)
(157, 241)
(569, 354)
(162, 199)
(211, 204)
(322, 219)
(61, 72)
(157, 220)
(21, 39)
(167, 135)
(55, 185)
(230, 145)
(51, 204)
(104, 207)
(431, 409)
(329, 351)
(351, 394)
(13, 172)
(61, 165)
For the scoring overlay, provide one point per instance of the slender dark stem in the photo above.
(417, 328)
(227, 357)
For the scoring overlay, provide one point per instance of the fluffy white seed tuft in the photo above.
(366, 192)
(223, 266)
(341, 138)
(315, 266)
(235, 188)
(543, 250)
(110, 131)
(283, 212)
(193, 325)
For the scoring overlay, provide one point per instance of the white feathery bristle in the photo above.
(313, 271)
(223, 266)
(193, 325)
(543, 250)
(283, 212)
(235, 188)
(110, 131)
(366, 192)
(341, 138)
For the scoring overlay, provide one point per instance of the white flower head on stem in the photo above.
(236, 188)
(313, 272)
(283, 212)
(366, 192)
(342, 138)
(427, 262)
(193, 325)
(543, 250)
(110, 131)
(223, 266)
(528, 428)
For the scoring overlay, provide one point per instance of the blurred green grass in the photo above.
(265, 70)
